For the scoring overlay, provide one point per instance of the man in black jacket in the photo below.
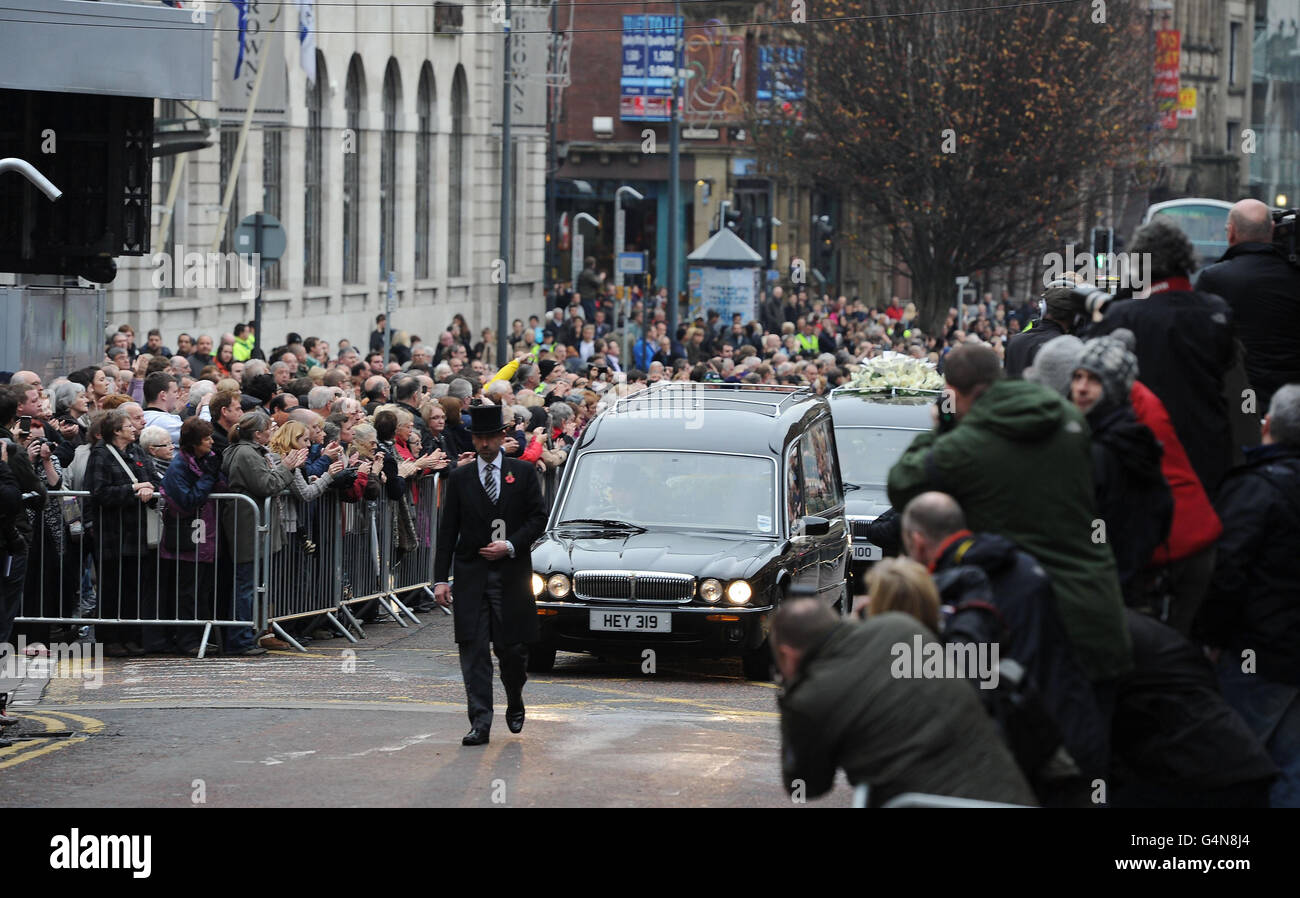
(1264, 292)
(18, 477)
(1252, 609)
(1175, 742)
(1185, 348)
(935, 534)
(492, 512)
(1061, 311)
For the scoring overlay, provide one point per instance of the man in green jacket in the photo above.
(1017, 458)
(845, 704)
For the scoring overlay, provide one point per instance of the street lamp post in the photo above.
(674, 173)
(579, 245)
(961, 296)
(620, 234)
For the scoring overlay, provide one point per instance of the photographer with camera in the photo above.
(1061, 309)
(1185, 347)
(1263, 289)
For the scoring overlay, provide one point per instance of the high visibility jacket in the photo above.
(808, 343)
(243, 349)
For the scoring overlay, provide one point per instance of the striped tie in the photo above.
(490, 483)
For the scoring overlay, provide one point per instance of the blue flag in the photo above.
(242, 6)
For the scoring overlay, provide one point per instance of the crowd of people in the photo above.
(1085, 509)
(1087, 506)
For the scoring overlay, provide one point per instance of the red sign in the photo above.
(1168, 52)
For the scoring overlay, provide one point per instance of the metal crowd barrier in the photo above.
(109, 576)
(325, 558)
(411, 568)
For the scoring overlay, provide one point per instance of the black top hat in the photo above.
(486, 420)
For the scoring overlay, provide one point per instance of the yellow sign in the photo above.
(1187, 102)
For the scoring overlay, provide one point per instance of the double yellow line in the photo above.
(54, 721)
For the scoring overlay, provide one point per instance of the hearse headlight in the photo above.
(557, 585)
(538, 585)
(710, 590)
(738, 593)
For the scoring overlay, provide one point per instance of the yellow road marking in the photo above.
(52, 721)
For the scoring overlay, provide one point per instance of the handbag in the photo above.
(152, 517)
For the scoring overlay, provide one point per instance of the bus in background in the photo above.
(1204, 221)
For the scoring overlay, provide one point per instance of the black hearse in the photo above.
(686, 513)
(872, 430)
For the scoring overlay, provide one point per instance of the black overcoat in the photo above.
(466, 525)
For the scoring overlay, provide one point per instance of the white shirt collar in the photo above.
(482, 465)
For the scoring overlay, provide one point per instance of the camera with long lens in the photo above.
(1092, 299)
(1284, 236)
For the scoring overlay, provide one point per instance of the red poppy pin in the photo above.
(510, 478)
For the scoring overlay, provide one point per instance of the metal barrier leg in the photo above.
(407, 611)
(203, 640)
(443, 608)
(329, 616)
(280, 631)
(352, 621)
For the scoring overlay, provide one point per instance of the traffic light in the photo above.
(1102, 245)
(823, 243)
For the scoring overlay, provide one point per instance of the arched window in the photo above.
(388, 171)
(353, 101)
(313, 208)
(456, 173)
(426, 108)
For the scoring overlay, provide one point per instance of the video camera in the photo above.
(1284, 236)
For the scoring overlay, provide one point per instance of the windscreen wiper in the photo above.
(612, 525)
(853, 486)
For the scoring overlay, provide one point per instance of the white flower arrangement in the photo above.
(893, 372)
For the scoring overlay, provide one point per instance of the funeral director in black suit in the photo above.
(492, 513)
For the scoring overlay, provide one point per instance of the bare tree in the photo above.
(972, 135)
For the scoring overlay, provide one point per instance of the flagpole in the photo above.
(232, 181)
(172, 190)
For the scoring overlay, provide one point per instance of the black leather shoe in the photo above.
(515, 719)
(475, 737)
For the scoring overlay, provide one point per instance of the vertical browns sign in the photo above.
(1168, 53)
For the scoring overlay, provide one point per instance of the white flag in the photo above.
(307, 37)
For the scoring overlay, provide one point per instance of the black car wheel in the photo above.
(541, 658)
(845, 602)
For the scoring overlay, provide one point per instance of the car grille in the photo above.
(860, 527)
(605, 586)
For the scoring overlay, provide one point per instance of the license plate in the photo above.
(632, 621)
(867, 552)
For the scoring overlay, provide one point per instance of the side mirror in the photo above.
(812, 525)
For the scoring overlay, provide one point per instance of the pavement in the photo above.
(379, 723)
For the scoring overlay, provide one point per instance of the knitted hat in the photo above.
(1055, 363)
(1114, 364)
(545, 367)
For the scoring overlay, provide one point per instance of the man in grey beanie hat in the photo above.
(1055, 362)
(1110, 360)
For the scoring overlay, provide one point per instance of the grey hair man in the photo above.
(1251, 604)
(320, 397)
